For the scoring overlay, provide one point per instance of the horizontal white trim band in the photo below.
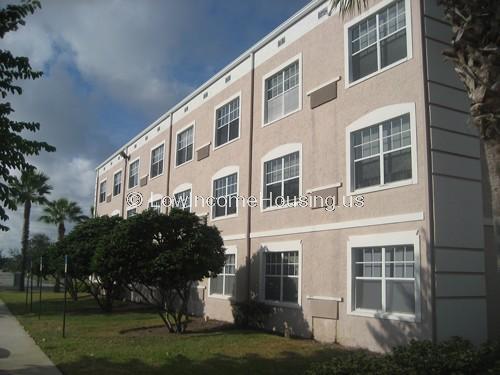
(323, 298)
(323, 85)
(336, 185)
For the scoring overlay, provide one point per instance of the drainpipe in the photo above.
(96, 192)
(125, 157)
(249, 188)
(169, 157)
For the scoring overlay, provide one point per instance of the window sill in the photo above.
(287, 305)
(220, 297)
(186, 162)
(393, 185)
(223, 217)
(381, 315)
(360, 80)
(264, 124)
(155, 177)
(278, 208)
(225, 144)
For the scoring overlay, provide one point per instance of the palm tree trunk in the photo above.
(492, 153)
(24, 242)
(60, 235)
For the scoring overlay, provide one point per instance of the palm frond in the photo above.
(346, 7)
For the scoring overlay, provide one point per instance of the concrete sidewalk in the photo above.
(19, 355)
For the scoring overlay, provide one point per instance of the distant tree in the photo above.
(58, 212)
(13, 146)
(38, 247)
(87, 260)
(31, 188)
(164, 256)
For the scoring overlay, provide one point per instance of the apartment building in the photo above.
(362, 108)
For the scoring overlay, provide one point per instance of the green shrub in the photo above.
(455, 356)
(250, 313)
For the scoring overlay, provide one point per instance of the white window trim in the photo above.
(373, 118)
(131, 209)
(115, 213)
(224, 172)
(192, 124)
(181, 188)
(271, 73)
(280, 247)
(105, 182)
(347, 44)
(151, 160)
(154, 198)
(229, 251)
(275, 153)
(121, 183)
(385, 239)
(227, 101)
(138, 174)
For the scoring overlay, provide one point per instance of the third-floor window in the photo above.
(133, 178)
(117, 183)
(185, 140)
(227, 122)
(157, 161)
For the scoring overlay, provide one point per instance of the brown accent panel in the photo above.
(324, 308)
(203, 152)
(318, 197)
(323, 95)
(143, 181)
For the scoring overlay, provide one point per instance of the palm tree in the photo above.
(30, 189)
(475, 54)
(58, 212)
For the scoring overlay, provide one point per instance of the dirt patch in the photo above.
(195, 325)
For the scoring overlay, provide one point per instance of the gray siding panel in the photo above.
(454, 260)
(438, 30)
(458, 213)
(470, 285)
(431, 8)
(448, 97)
(451, 120)
(462, 317)
(442, 72)
(455, 143)
(458, 166)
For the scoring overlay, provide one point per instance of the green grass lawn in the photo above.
(96, 344)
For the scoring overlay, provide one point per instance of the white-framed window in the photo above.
(155, 205)
(384, 275)
(182, 200)
(133, 176)
(102, 191)
(382, 149)
(185, 140)
(227, 122)
(224, 283)
(117, 183)
(131, 212)
(282, 180)
(379, 39)
(157, 160)
(225, 192)
(282, 91)
(281, 272)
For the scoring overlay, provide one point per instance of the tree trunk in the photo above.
(492, 153)
(24, 243)
(57, 283)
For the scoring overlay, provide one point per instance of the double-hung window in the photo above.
(378, 41)
(155, 205)
(131, 212)
(227, 122)
(102, 191)
(157, 161)
(185, 146)
(282, 180)
(224, 283)
(384, 279)
(382, 154)
(225, 191)
(182, 200)
(281, 276)
(133, 176)
(117, 183)
(282, 93)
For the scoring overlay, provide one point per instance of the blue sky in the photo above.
(111, 67)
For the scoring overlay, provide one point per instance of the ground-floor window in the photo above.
(224, 283)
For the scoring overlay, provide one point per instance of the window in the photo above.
(378, 41)
(131, 212)
(117, 183)
(225, 191)
(282, 93)
(227, 122)
(281, 276)
(224, 283)
(157, 161)
(185, 146)
(182, 200)
(102, 191)
(281, 180)
(156, 205)
(384, 279)
(382, 154)
(133, 177)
